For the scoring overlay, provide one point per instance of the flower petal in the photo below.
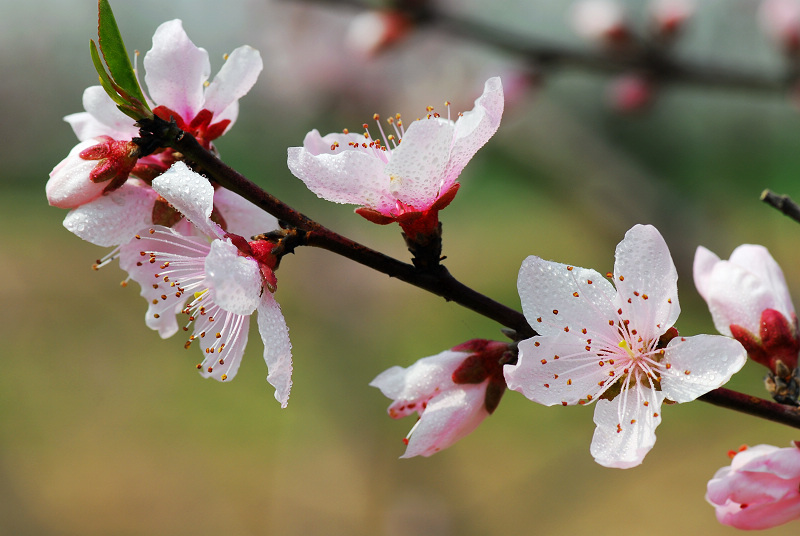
(241, 216)
(69, 185)
(166, 288)
(222, 336)
(646, 281)
(447, 418)
(557, 370)
(277, 347)
(626, 427)
(547, 292)
(114, 219)
(238, 74)
(234, 279)
(474, 128)
(347, 175)
(699, 364)
(704, 262)
(176, 70)
(417, 166)
(410, 387)
(115, 123)
(191, 195)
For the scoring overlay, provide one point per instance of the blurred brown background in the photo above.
(107, 430)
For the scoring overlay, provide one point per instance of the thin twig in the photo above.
(782, 203)
(758, 407)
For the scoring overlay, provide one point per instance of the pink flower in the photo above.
(106, 161)
(631, 93)
(760, 489)
(216, 284)
(669, 16)
(615, 347)
(749, 300)
(372, 32)
(452, 393)
(407, 182)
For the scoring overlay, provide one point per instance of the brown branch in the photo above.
(757, 407)
(782, 203)
(438, 281)
(647, 58)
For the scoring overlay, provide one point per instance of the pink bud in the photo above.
(780, 20)
(372, 32)
(601, 21)
(69, 185)
(759, 490)
(630, 93)
(669, 16)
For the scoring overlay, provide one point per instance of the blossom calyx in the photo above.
(760, 489)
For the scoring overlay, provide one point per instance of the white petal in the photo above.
(417, 167)
(758, 260)
(234, 279)
(241, 216)
(421, 380)
(348, 175)
(447, 418)
(69, 185)
(704, 262)
(165, 298)
(474, 128)
(699, 364)
(222, 342)
(100, 106)
(626, 427)
(114, 219)
(559, 370)
(191, 195)
(234, 80)
(547, 292)
(277, 347)
(176, 70)
(647, 281)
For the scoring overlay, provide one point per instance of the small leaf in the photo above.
(116, 57)
(105, 80)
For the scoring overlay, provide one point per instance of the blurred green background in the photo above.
(107, 430)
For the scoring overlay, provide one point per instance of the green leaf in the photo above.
(116, 57)
(105, 80)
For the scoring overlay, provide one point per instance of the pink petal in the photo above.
(704, 262)
(345, 176)
(784, 463)
(474, 128)
(163, 303)
(572, 376)
(241, 216)
(235, 280)
(100, 106)
(710, 361)
(416, 169)
(758, 516)
(176, 70)
(69, 185)
(191, 195)
(234, 80)
(758, 260)
(626, 427)
(547, 292)
(738, 296)
(419, 382)
(277, 347)
(224, 342)
(447, 418)
(646, 281)
(114, 219)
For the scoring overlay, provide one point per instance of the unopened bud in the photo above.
(601, 21)
(780, 20)
(372, 32)
(669, 16)
(631, 93)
